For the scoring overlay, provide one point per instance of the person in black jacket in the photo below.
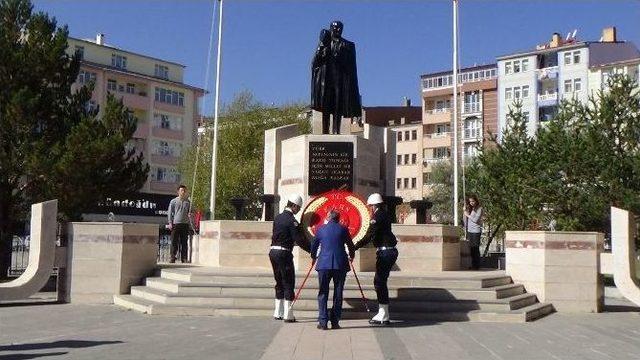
(286, 233)
(380, 234)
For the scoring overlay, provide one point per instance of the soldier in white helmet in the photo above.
(286, 233)
(380, 234)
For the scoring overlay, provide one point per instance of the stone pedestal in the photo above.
(427, 247)
(235, 243)
(302, 167)
(559, 267)
(273, 139)
(316, 124)
(105, 259)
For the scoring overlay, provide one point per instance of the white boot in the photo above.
(382, 317)
(279, 310)
(288, 312)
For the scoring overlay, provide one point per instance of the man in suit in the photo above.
(332, 264)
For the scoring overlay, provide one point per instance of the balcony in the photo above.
(435, 140)
(548, 99)
(136, 101)
(471, 108)
(164, 159)
(142, 131)
(437, 116)
(166, 187)
(548, 73)
(167, 133)
(176, 109)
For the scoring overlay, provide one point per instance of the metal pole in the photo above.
(455, 112)
(214, 155)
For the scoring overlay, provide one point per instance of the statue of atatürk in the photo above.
(334, 79)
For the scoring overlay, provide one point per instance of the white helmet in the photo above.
(295, 199)
(374, 199)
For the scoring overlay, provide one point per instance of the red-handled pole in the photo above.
(302, 286)
(364, 299)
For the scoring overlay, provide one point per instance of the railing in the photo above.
(438, 135)
(548, 97)
(19, 254)
(471, 108)
(435, 160)
(438, 111)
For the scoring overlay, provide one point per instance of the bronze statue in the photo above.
(334, 79)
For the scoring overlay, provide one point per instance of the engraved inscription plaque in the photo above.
(330, 166)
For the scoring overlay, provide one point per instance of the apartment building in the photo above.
(557, 70)
(155, 92)
(403, 140)
(599, 74)
(477, 119)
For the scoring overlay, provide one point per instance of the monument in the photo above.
(334, 79)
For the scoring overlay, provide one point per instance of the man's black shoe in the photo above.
(277, 318)
(322, 327)
(335, 326)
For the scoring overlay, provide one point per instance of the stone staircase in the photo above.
(487, 296)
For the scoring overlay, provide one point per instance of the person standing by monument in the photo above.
(332, 264)
(334, 79)
(380, 234)
(286, 233)
(473, 224)
(179, 216)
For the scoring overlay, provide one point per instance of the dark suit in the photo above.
(380, 234)
(332, 264)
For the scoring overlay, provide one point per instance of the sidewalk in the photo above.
(106, 332)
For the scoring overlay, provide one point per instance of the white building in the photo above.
(541, 78)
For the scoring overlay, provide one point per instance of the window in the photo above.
(507, 67)
(441, 153)
(119, 61)
(576, 57)
(516, 66)
(525, 91)
(112, 85)
(161, 71)
(516, 92)
(568, 86)
(507, 93)
(442, 129)
(525, 114)
(471, 128)
(169, 122)
(414, 158)
(406, 159)
(577, 84)
(567, 58)
(131, 88)
(406, 182)
(399, 135)
(398, 183)
(413, 183)
(169, 96)
(85, 77)
(121, 88)
(399, 159)
(406, 135)
(414, 134)
(79, 50)
(525, 65)
(426, 178)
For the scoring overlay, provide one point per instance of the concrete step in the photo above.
(351, 290)
(149, 307)
(308, 301)
(209, 276)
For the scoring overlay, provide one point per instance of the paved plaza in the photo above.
(65, 331)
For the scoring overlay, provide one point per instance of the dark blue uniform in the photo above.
(286, 233)
(332, 264)
(380, 234)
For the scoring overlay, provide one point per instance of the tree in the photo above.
(51, 144)
(577, 165)
(240, 154)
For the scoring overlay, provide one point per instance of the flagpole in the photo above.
(214, 151)
(455, 113)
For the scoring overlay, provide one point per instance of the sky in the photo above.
(268, 45)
